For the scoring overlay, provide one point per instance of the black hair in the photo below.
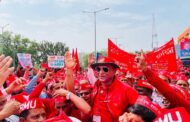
(146, 114)
(24, 113)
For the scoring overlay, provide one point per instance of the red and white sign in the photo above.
(125, 60)
(163, 58)
(174, 115)
(56, 61)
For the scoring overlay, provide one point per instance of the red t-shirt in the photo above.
(109, 103)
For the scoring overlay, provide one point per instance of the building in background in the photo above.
(184, 47)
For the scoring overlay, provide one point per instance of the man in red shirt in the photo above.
(32, 111)
(110, 97)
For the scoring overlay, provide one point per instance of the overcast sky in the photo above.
(127, 22)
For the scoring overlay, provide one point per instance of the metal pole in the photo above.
(153, 31)
(95, 34)
(95, 12)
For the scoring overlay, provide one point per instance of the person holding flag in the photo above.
(163, 87)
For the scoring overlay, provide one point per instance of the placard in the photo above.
(56, 61)
(25, 59)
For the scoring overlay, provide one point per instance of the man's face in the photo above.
(85, 94)
(164, 78)
(63, 106)
(36, 115)
(131, 117)
(183, 84)
(166, 103)
(130, 81)
(43, 72)
(57, 86)
(143, 91)
(105, 73)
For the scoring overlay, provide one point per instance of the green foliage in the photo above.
(104, 52)
(12, 44)
(85, 57)
(46, 48)
(85, 60)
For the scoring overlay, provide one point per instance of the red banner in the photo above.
(163, 58)
(124, 59)
(77, 68)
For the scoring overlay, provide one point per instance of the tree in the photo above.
(46, 48)
(13, 44)
(85, 57)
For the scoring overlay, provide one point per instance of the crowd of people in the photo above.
(100, 93)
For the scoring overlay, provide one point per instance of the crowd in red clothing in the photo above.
(102, 93)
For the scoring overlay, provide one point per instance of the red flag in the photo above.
(44, 65)
(77, 61)
(163, 58)
(73, 53)
(124, 59)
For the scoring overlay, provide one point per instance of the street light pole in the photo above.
(95, 12)
(95, 35)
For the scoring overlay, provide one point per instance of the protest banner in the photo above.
(163, 58)
(56, 61)
(125, 60)
(25, 59)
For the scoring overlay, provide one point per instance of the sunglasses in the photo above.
(61, 107)
(84, 93)
(184, 85)
(105, 69)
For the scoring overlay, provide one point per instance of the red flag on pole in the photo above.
(77, 61)
(124, 59)
(163, 58)
(73, 53)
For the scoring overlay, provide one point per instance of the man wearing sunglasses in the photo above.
(110, 97)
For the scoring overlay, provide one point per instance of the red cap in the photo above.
(146, 102)
(22, 97)
(164, 73)
(45, 65)
(85, 86)
(105, 61)
(174, 115)
(31, 104)
(173, 76)
(145, 84)
(182, 77)
(59, 99)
